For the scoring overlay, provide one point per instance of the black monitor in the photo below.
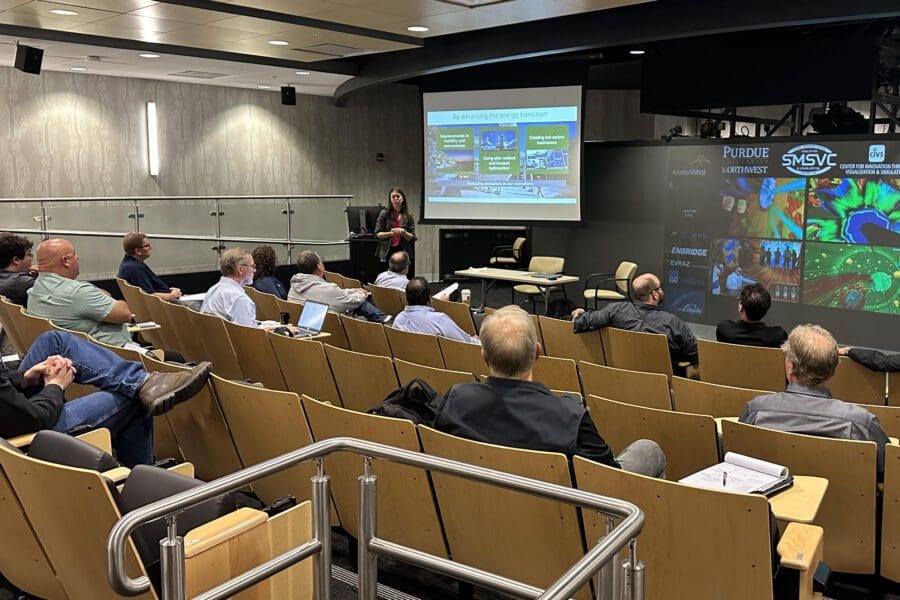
(361, 219)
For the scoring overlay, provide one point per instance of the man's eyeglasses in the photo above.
(145, 246)
(248, 266)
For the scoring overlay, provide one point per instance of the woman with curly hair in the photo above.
(264, 279)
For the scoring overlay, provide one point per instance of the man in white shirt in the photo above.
(397, 274)
(227, 298)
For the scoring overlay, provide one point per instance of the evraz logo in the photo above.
(808, 159)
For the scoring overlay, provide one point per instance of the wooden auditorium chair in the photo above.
(622, 385)
(560, 341)
(363, 380)
(741, 366)
(440, 379)
(421, 348)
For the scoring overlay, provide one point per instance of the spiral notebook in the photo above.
(741, 473)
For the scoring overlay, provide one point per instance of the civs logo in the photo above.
(808, 159)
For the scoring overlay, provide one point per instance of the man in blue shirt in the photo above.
(397, 274)
(420, 317)
(135, 271)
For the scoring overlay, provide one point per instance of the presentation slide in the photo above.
(816, 223)
(503, 155)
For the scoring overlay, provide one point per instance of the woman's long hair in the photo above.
(404, 209)
(265, 259)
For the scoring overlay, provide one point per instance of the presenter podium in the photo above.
(364, 265)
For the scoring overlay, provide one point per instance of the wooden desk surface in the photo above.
(516, 276)
(800, 503)
(138, 329)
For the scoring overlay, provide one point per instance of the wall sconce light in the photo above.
(152, 139)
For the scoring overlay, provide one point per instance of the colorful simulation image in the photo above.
(854, 211)
(852, 277)
(773, 263)
(763, 207)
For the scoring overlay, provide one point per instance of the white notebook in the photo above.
(740, 473)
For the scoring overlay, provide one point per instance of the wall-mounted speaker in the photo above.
(288, 95)
(29, 59)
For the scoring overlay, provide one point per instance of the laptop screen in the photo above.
(312, 316)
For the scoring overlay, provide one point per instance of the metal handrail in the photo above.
(134, 198)
(572, 580)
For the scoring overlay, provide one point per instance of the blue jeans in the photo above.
(114, 407)
(369, 312)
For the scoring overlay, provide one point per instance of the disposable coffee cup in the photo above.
(285, 318)
(466, 295)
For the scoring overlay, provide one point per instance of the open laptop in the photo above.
(312, 317)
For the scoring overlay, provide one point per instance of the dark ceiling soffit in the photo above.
(327, 66)
(654, 21)
(270, 15)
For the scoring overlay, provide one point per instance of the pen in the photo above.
(724, 478)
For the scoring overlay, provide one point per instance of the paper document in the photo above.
(444, 294)
(740, 473)
(193, 297)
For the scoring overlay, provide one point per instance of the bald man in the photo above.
(644, 315)
(75, 305)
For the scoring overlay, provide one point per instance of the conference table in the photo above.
(489, 277)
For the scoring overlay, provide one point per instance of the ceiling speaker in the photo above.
(29, 59)
(288, 95)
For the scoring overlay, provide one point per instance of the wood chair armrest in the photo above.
(800, 546)
(117, 475)
(185, 468)
(20, 441)
(99, 438)
(222, 530)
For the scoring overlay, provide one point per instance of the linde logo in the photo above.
(744, 152)
(808, 159)
(689, 251)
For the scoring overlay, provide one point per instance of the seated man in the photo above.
(16, 277)
(309, 284)
(749, 329)
(227, 298)
(736, 280)
(420, 317)
(135, 271)
(875, 360)
(397, 274)
(513, 410)
(32, 397)
(76, 305)
(806, 406)
(644, 315)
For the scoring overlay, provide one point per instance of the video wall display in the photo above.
(816, 223)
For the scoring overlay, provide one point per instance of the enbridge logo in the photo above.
(808, 159)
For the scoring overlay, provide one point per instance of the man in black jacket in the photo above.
(32, 398)
(749, 329)
(15, 267)
(513, 410)
(875, 360)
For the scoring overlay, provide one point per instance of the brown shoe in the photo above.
(161, 391)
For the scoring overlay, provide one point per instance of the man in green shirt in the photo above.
(75, 305)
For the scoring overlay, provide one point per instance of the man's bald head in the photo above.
(509, 343)
(646, 288)
(57, 256)
(811, 355)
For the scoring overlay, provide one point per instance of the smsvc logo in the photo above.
(876, 153)
(808, 159)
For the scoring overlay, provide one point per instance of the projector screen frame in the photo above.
(422, 219)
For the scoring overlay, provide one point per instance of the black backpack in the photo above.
(416, 401)
(561, 308)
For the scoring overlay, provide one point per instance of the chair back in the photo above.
(547, 264)
(211, 329)
(190, 345)
(848, 509)
(134, 300)
(366, 337)
(690, 442)
(505, 532)
(686, 526)
(8, 312)
(390, 301)
(265, 424)
(266, 304)
(22, 558)
(462, 356)
(888, 416)
(255, 355)
(292, 308)
(406, 508)
(305, 367)
(164, 443)
(561, 342)
(334, 278)
(363, 380)
(199, 429)
(166, 335)
(440, 379)
(893, 397)
(334, 327)
(890, 517)
(624, 276)
(458, 311)
(636, 351)
(852, 382)
(741, 366)
(702, 398)
(517, 246)
(421, 348)
(557, 373)
(350, 282)
(634, 387)
(29, 326)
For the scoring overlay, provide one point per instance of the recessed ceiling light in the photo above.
(148, 55)
(279, 42)
(78, 68)
(302, 72)
(63, 12)
(264, 87)
(637, 52)
(417, 28)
